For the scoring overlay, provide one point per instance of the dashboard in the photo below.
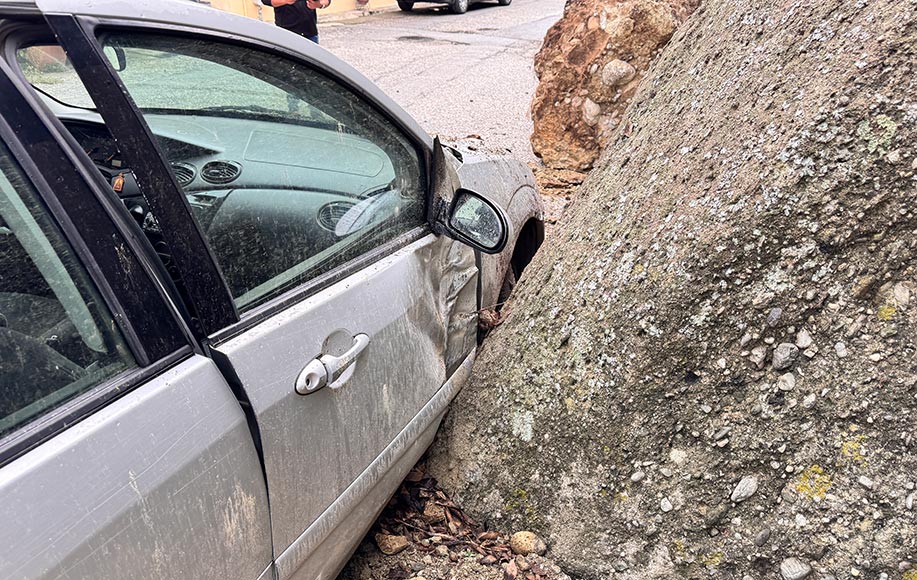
(268, 196)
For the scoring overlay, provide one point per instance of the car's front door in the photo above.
(353, 314)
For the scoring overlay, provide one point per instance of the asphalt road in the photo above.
(456, 74)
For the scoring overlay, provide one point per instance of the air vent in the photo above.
(220, 172)
(330, 214)
(184, 173)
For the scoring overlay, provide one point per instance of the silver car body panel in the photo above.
(163, 483)
(321, 551)
(317, 447)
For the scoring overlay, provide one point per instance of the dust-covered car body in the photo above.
(233, 311)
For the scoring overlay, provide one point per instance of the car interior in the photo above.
(286, 182)
(51, 343)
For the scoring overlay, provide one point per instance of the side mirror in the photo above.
(460, 213)
(477, 222)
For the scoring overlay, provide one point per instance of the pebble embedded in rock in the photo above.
(757, 356)
(617, 72)
(784, 356)
(902, 294)
(745, 489)
(591, 111)
(526, 543)
(866, 482)
(909, 502)
(841, 350)
(721, 433)
(637, 477)
(391, 545)
(665, 505)
(803, 339)
(809, 401)
(786, 382)
(794, 569)
(762, 537)
(773, 317)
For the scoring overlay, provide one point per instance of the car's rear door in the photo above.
(123, 452)
(320, 233)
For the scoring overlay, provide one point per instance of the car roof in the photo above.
(184, 14)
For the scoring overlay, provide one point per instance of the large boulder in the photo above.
(710, 370)
(589, 67)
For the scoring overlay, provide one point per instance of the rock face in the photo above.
(769, 165)
(589, 68)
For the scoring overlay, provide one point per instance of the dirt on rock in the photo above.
(589, 68)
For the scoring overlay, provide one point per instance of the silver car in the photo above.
(238, 288)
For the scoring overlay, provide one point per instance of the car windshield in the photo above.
(172, 82)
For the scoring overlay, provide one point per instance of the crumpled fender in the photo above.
(510, 184)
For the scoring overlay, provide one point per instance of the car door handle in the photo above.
(330, 371)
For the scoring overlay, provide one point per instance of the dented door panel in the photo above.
(163, 483)
(417, 306)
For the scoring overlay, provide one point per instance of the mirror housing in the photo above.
(462, 214)
(478, 222)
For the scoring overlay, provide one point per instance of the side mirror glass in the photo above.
(478, 222)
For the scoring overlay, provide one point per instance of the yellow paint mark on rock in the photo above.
(814, 483)
(909, 575)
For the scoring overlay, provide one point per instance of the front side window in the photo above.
(288, 173)
(57, 339)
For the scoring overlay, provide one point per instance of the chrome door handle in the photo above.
(330, 371)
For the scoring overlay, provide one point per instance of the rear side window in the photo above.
(57, 339)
